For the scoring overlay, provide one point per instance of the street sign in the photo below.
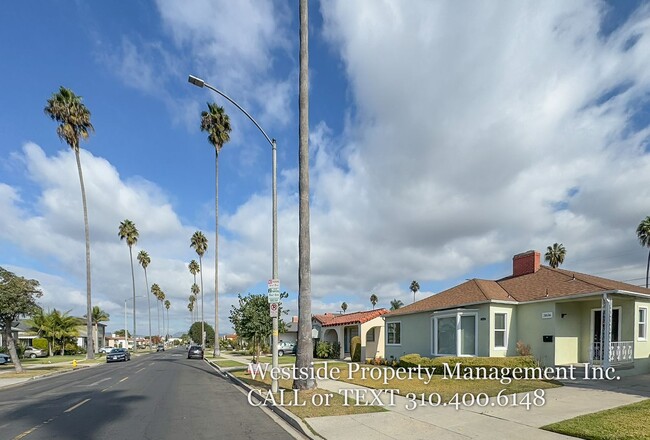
(274, 291)
(273, 309)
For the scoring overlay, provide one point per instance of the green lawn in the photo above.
(227, 363)
(286, 359)
(622, 423)
(59, 358)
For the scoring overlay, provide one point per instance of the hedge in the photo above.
(416, 361)
(355, 349)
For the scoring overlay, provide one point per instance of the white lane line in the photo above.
(151, 363)
(140, 370)
(123, 379)
(72, 408)
(98, 382)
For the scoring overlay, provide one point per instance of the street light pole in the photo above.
(201, 83)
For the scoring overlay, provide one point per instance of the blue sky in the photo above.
(444, 139)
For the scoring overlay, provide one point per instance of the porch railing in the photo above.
(620, 353)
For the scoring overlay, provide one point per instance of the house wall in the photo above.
(371, 350)
(568, 332)
(511, 330)
(531, 327)
(641, 348)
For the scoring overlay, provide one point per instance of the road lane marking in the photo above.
(29, 431)
(96, 383)
(124, 379)
(151, 363)
(72, 408)
(140, 370)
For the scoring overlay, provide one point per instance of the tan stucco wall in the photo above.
(531, 327)
(371, 350)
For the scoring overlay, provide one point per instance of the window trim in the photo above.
(400, 333)
(504, 330)
(644, 323)
(457, 314)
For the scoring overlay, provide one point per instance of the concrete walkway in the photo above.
(490, 422)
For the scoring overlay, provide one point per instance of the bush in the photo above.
(355, 349)
(523, 349)
(335, 353)
(323, 350)
(417, 361)
(40, 343)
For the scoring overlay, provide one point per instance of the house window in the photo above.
(500, 333)
(643, 323)
(370, 336)
(394, 333)
(455, 334)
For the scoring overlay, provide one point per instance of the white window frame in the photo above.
(400, 332)
(643, 323)
(450, 314)
(504, 330)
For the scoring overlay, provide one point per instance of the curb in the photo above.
(288, 417)
(43, 376)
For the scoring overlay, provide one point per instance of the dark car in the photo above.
(160, 347)
(117, 355)
(4, 358)
(195, 351)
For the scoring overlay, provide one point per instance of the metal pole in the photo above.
(274, 362)
(126, 343)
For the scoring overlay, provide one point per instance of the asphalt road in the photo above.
(158, 396)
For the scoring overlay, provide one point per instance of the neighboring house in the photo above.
(3, 337)
(566, 317)
(82, 335)
(291, 331)
(343, 327)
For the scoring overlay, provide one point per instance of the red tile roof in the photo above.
(545, 283)
(331, 319)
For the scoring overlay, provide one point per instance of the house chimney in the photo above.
(294, 319)
(525, 263)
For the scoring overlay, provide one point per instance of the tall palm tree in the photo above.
(396, 304)
(155, 291)
(192, 300)
(373, 300)
(555, 255)
(167, 305)
(195, 292)
(98, 315)
(200, 245)
(74, 124)
(161, 298)
(643, 234)
(217, 124)
(344, 306)
(415, 287)
(145, 260)
(128, 231)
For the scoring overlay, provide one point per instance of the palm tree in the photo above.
(64, 327)
(373, 300)
(195, 292)
(145, 260)
(192, 299)
(167, 305)
(304, 357)
(555, 255)
(396, 304)
(415, 286)
(217, 124)
(161, 298)
(344, 306)
(200, 245)
(155, 291)
(66, 108)
(643, 234)
(98, 315)
(128, 231)
(41, 322)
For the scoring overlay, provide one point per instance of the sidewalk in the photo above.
(490, 422)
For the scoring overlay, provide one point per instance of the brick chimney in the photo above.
(525, 263)
(294, 319)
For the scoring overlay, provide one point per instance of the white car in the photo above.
(286, 348)
(103, 350)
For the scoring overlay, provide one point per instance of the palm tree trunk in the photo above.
(163, 315)
(135, 346)
(146, 282)
(647, 271)
(90, 349)
(305, 343)
(202, 319)
(216, 351)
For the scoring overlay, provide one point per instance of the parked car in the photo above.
(118, 354)
(4, 359)
(195, 351)
(32, 352)
(104, 350)
(160, 347)
(286, 348)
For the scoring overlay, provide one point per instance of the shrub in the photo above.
(335, 352)
(355, 349)
(323, 350)
(523, 349)
(417, 361)
(40, 343)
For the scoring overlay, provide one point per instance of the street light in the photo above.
(126, 341)
(200, 83)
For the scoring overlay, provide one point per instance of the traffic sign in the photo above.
(274, 291)
(273, 309)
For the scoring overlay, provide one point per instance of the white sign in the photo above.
(547, 315)
(274, 291)
(273, 309)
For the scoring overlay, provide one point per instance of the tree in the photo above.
(555, 255)
(155, 291)
(373, 300)
(145, 260)
(396, 304)
(305, 352)
(64, 327)
(98, 315)
(128, 231)
(217, 124)
(251, 319)
(195, 292)
(643, 234)
(200, 245)
(41, 323)
(415, 287)
(344, 306)
(195, 332)
(74, 124)
(120, 332)
(167, 306)
(17, 297)
(161, 298)
(194, 269)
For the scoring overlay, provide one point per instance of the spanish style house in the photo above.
(565, 317)
(341, 328)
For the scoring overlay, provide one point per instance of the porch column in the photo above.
(607, 329)
(362, 335)
(340, 334)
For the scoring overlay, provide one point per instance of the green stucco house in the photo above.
(565, 317)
